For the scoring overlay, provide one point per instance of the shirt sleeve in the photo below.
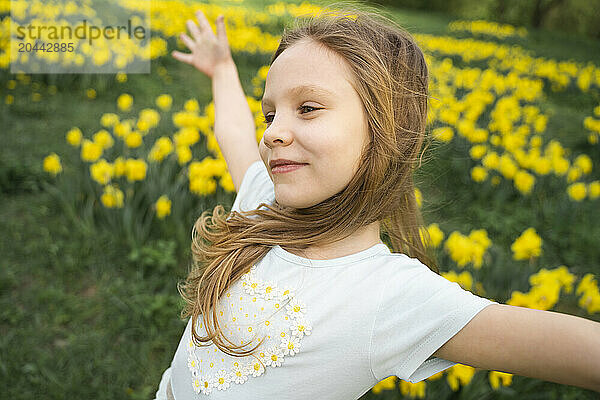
(419, 311)
(256, 187)
(161, 393)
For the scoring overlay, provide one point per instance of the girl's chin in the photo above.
(289, 200)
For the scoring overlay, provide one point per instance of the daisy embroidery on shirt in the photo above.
(240, 372)
(257, 368)
(222, 380)
(253, 287)
(290, 345)
(203, 385)
(212, 369)
(274, 357)
(286, 293)
(301, 327)
(296, 309)
(268, 291)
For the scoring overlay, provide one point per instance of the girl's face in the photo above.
(314, 116)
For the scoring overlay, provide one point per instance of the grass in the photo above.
(79, 319)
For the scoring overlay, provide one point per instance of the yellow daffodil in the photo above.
(90, 151)
(593, 190)
(133, 139)
(386, 384)
(584, 162)
(479, 174)
(121, 129)
(52, 164)
(467, 249)
(124, 102)
(161, 148)
(184, 118)
(560, 276)
(74, 136)
(120, 167)
(527, 245)
(418, 197)
(103, 138)
(164, 102)
(436, 235)
(498, 379)
(112, 197)
(163, 207)
(102, 171)
(491, 160)
(150, 117)
(135, 170)
(444, 134)
(590, 294)
(477, 151)
(184, 154)
(191, 106)
(524, 181)
(577, 191)
(464, 279)
(227, 183)
(459, 375)
(413, 389)
(203, 186)
(187, 136)
(108, 120)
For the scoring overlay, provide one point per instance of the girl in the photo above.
(293, 294)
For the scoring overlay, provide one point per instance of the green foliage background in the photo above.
(83, 315)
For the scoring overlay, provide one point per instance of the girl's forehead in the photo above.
(308, 60)
(307, 68)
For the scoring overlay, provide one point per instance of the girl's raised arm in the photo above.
(234, 124)
(539, 344)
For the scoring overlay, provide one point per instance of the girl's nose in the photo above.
(277, 135)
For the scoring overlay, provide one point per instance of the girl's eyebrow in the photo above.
(301, 90)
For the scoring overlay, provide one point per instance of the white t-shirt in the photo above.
(334, 327)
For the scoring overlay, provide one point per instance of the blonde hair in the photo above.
(391, 78)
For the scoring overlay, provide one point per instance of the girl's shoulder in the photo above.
(256, 187)
(400, 262)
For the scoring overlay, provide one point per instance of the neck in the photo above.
(360, 240)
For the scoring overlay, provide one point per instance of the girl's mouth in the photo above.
(281, 169)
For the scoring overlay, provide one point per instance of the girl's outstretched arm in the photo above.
(234, 124)
(539, 344)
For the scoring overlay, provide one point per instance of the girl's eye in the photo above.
(266, 117)
(313, 108)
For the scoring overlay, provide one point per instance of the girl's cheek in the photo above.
(323, 135)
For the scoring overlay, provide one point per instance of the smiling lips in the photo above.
(282, 165)
(286, 168)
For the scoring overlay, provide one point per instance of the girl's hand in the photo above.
(208, 50)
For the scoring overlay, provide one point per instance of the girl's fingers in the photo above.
(193, 28)
(221, 28)
(183, 57)
(204, 25)
(187, 41)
